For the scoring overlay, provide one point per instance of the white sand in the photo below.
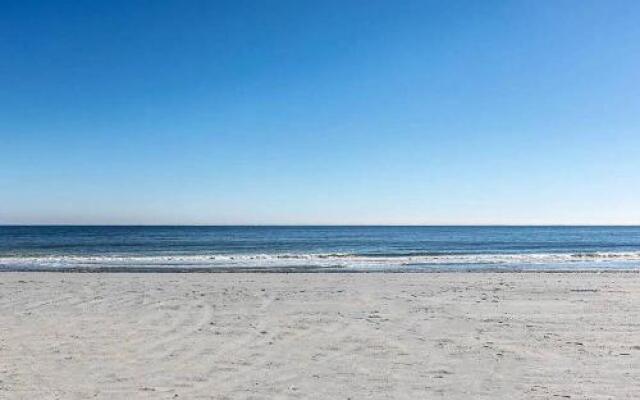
(319, 336)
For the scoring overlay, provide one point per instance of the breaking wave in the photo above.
(330, 261)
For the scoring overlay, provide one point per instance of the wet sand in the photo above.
(320, 336)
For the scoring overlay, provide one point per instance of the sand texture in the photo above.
(320, 336)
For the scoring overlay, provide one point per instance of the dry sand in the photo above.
(320, 336)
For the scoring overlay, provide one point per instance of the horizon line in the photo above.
(317, 225)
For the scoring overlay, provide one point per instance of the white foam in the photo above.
(320, 260)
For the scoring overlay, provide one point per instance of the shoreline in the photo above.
(311, 270)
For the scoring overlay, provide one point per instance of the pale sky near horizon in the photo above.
(320, 112)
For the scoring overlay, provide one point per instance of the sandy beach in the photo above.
(320, 336)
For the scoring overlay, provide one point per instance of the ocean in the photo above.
(318, 248)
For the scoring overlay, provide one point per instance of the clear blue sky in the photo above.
(320, 112)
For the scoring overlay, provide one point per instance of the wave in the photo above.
(324, 261)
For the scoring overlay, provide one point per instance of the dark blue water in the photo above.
(318, 248)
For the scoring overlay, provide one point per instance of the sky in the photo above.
(320, 112)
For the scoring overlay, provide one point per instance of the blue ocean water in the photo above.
(319, 248)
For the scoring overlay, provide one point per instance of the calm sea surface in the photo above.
(322, 248)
